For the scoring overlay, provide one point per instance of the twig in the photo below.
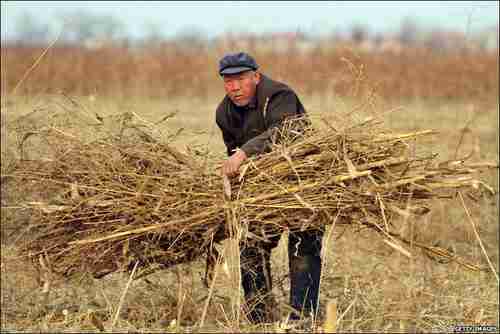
(477, 236)
(122, 298)
(36, 62)
(324, 257)
(210, 292)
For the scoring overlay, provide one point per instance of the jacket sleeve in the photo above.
(228, 138)
(281, 106)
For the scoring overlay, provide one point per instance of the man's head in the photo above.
(239, 72)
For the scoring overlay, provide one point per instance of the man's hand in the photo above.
(232, 165)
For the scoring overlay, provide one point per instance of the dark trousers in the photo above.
(304, 249)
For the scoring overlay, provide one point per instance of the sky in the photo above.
(215, 17)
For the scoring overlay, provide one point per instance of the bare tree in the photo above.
(439, 40)
(359, 33)
(191, 36)
(408, 33)
(153, 33)
(82, 26)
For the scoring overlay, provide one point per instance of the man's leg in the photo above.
(256, 281)
(304, 255)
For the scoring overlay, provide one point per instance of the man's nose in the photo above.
(235, 86)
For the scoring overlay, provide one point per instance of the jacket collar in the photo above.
(253, 102)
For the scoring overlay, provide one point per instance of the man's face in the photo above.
(241, 87)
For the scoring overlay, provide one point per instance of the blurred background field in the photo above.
(169, 69)
(432, 79)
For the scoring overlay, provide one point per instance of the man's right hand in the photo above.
(232, 165)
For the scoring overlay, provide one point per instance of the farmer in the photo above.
(254, 106)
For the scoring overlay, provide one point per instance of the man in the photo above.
(253, 108)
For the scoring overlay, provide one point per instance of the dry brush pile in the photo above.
(115, 203)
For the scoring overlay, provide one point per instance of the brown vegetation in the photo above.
(144, 202)
(374, 285)
(170, 70)
(121, 200)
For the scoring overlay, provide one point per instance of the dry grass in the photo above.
(376, 287)
(134, 199)
(170, 71)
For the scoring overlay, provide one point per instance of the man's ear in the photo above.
(257, 77)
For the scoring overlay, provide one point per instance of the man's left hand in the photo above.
(232, 165)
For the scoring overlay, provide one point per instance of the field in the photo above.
(375, 287)
(170, 71)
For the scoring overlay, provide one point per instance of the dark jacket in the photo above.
(250, 128)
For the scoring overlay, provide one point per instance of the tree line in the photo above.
(81, 27)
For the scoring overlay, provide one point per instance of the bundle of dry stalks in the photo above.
(119, 203)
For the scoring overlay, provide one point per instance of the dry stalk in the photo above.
(478, 237)
(122, 297)
(330, 324)
(210, 292)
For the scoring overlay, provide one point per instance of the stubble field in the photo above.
(375, 287)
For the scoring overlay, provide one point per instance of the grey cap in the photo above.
(236, 63)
